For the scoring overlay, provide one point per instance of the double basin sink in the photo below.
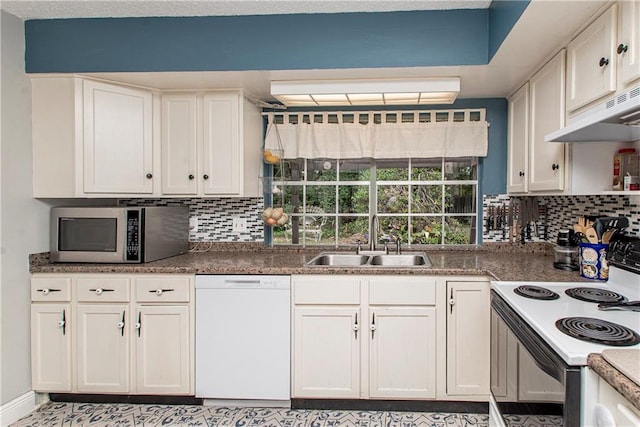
(338, 259)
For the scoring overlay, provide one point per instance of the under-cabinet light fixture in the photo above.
(409, 91)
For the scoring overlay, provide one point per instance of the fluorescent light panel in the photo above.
(432, 90)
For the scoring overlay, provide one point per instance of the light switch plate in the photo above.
(193, 224)
(238, 224)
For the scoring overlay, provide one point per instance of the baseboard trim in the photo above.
(12, 411)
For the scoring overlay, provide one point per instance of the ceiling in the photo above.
(54, 9)
(544, 27)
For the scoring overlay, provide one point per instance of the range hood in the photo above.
(616, 120)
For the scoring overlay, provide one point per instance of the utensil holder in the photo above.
(593, 262)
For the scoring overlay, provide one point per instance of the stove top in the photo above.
(542, 315)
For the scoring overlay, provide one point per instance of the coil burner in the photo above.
(598, 331)
(594, 295)
(536, 292)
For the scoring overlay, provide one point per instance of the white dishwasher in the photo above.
(243, 339)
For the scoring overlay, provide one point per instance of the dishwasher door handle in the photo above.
(242, 283)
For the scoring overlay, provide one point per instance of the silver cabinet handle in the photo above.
(138, 324)
(372, 327)
(121, 325)
(63, 322)
(46, 291)
(356, 327)
(99, 291)
(452, 302)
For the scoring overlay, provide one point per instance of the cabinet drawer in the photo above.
(163, 289)
(102, 289)
(326, 290)
(402, 291)
(50, 289)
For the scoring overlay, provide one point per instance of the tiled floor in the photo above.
(126, 415)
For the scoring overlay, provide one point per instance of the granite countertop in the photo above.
(529, 262)
(626, 386)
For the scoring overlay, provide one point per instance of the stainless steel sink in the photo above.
(401, 260)
(339, 259)
(329, 259)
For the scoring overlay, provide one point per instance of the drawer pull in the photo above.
(603, 62)
(46, 291)
(99, 291)
(160, 291)
(452, 302)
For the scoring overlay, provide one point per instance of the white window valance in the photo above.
(378, 134)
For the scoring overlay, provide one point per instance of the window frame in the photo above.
(373, 185)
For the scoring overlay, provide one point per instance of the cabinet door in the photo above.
(50, 347)
(220, 172)
(117, 139)
(518, 140)
(103, 348)
(179, 142)
(326, 358)
(402, 352)
(468, 340)
(628, 48)
(592, 61)
(547, 109)
(163, 350)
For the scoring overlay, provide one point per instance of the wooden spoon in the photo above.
(606, 236)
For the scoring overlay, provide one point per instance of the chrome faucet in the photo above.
(373, 233)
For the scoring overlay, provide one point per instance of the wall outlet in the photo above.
(238, 224)
(193, 224)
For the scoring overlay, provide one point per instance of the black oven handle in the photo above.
(544, 357)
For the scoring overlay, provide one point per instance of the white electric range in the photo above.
(537, 369)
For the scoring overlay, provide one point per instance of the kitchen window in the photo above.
(417, 201)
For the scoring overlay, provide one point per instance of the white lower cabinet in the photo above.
(103, 348)
(129, 334)
(165, 331)
(326, 356)
(402, 352)
(50, 347)
(468, 330)
(364, 337)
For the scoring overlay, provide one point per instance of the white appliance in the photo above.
(537, 370)
(243, 339)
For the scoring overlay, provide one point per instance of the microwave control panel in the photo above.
(133, 235)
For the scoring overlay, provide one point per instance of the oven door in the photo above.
(530, 384)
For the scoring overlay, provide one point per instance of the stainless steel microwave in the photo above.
(118, 234)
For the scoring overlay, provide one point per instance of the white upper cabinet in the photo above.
(91, 139)
(628, 48)
(592, 61)
(518, 141)
(547, 113)
(179, 144)
(210, 145)
(536, 109)
(221, 144)
(118, 140)
(604, 58)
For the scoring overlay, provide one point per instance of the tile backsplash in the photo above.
(561, 212)
(555, 213)
(214, 217)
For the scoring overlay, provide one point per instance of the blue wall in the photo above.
(270, 42)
